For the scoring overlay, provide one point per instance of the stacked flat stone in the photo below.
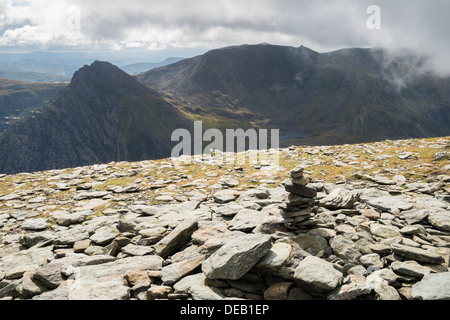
(297, 207)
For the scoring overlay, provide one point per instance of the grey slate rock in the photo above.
(300, 190)
(247, 220)
(35, 224)
(417, 254)
(105, 235)
(16, 264)
(238, 256)
(174, 272)
(440, 219)
(433, 287)
(317, 276)
(90, 195)
(339, 199)
(176, 239)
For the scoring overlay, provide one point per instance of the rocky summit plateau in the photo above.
(350, 222)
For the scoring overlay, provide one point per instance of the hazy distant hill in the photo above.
(33, 76)
(136, 68)
(67, 63)
(17, 98)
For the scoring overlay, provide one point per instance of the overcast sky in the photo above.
(322, 25)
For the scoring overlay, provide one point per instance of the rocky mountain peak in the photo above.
(103, 115)
(105, 76)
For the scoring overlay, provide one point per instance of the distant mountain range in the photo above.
(18, 99)
(59, 67)
(33, 76)
(136, 68)
(347, 96)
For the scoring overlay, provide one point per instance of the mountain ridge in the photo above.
(348, 96)
(332, 97)
(87, 123)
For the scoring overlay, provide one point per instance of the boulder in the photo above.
(105, 235)
(433, 287)
(237, 257)
(16, 264)
(176, 239)
(35, 224)
(384, 231)
(226, 196)
(440, 219)
(317, 276)
(417, 254)
(339, 199)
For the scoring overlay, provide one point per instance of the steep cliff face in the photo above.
(96, 119)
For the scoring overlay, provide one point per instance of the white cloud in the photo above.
(322, 25)
(40, 23)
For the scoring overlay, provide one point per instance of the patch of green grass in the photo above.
(119, 182)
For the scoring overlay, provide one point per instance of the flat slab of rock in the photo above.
(417, 254)
(15, 265)
(433, 287)
(135, 250)
(339, 199)
(176, 239)
(153, 235)
(300, 190)
(145, 210)
(345, 248)
(414, 216)
(70, 236)
(50, 275)
(110, 288)
(440, 219)
(410, 268)
(121, 266)
(70, 219)
(229, 210)
(247, 220)
(383, 291)
(390, 203)
(226, 196)
(174, 272)
(356, 286)
(275, 259)
(105, 235)
(35, 224)
(311, 243)
(214, 231)
(238, 256)
(196, 285)
(32, 239)
(90, 195)
(317, 275)
(384, 231)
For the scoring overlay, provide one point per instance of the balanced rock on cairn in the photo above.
(297, 207)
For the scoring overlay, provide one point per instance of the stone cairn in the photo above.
(298, 205)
